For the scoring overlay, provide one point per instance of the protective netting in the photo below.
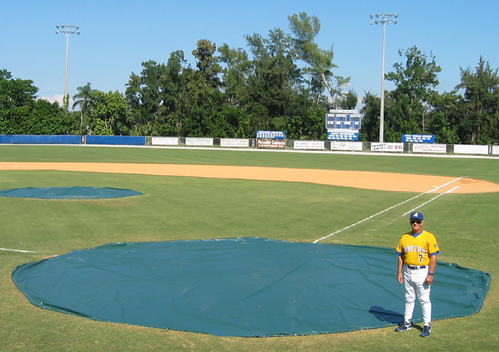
(241, 286)
(77, 192)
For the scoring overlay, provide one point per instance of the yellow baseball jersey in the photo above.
(416, 250)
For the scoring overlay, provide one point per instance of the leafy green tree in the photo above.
(17, 99)
(348, 100)
(144, 92)
(481, 98)
(415, 82)
(49, 119)
(110, 115)
(446, 115)
(273, 81)
(370, 122)
(83, 101)
(320, 61)
(236, 68)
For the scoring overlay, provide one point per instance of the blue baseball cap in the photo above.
(417, 215)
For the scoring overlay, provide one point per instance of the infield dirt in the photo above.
(356, 179)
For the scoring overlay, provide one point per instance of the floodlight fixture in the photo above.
(386, 18)
(67, 30)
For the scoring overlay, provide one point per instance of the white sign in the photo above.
(164, 141)
(429, 148)
(199, 141)
(471, 149)
(495, 149)
(387, 147)
(230, 142)
(350, 146)
(317, 145)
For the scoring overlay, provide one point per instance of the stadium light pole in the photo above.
(67, 30)
(383, 19)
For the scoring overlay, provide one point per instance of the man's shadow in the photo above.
(389, 316)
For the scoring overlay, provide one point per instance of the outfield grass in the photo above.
(195, 208)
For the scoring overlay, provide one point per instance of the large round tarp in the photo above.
(77, 192)
(241, 286)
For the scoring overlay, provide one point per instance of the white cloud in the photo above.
(59, 98)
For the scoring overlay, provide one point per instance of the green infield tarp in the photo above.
(77, 192)
(241, 286)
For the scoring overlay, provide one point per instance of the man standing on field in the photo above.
(417, 261)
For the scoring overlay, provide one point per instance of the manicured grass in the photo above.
(194, 208)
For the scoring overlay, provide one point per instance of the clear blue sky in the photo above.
(118, 35)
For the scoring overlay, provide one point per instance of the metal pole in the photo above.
(67, 64)
(66, 30)
(382, 108)
(386, 18)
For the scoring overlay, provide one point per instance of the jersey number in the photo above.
(420, 258)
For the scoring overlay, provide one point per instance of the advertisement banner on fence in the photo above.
(271, 143)
(495, 149)
(232, 142)
(429, 148)
(164, 141)
(194, 141)
(387, 147)
(471, 149)
(309, 145)
(270, 135)
(347, 146)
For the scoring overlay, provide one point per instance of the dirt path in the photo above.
(357, 179)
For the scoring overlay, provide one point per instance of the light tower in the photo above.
(67, 30)
(383, 19)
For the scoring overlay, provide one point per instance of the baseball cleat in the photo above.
(426, 331)
(404, 327)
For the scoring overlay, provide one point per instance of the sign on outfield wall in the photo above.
(164, 141)
(343, 135)
(270, 135)
(348, 146)
(471, 149)
(495, 149)
(233, 142)
(429, 148)
(418, 138)
(309, 145)
(271, 143)
(194, 141)
(387, 147)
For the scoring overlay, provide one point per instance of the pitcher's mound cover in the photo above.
(78, 192)
(240, 286)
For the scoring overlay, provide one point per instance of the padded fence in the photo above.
(34, 139)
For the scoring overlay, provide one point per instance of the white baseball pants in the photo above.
(415, 287)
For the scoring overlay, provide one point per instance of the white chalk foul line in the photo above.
(15, 250)
(431, 200)
(390, 208)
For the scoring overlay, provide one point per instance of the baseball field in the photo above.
(201, 194)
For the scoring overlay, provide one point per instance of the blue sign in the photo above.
(270, 135)
(418, 138)
(343, 136)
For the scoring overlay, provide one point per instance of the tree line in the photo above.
(283, 82)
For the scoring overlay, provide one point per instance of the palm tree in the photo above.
(83, 100)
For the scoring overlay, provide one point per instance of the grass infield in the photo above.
(195, 208)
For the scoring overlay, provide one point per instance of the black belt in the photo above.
(412, 267)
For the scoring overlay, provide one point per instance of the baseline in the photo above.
(390, 208)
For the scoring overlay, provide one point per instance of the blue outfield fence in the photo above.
(35, 139)
(116, 140)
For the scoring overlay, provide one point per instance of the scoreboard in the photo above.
(343, 125)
